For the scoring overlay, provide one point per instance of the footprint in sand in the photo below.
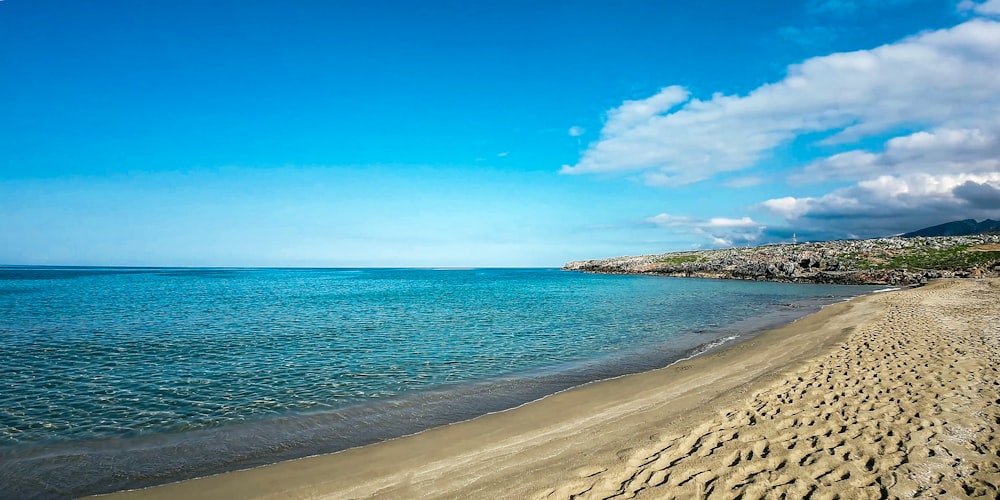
(908, 406)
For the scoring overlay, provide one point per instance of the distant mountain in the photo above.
(958, 228)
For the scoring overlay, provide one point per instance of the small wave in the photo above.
(708, 346)
(881, 290)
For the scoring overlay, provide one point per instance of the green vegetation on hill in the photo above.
(951, 259)
(679, 259)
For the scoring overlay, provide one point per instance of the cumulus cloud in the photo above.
(576, 131)
(943, 150)
(788, 207)
(890, 204)
(913, 125)
(940, 82)
(721, 231)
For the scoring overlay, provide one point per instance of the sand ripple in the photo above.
(908, 407)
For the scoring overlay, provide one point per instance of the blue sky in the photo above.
(260, 133)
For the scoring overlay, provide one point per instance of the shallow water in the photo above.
(118, 378)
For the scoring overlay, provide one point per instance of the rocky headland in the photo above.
(882, 261)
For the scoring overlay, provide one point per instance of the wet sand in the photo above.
(888, 395)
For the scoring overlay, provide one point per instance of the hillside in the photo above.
(958, 228)
(890, 261)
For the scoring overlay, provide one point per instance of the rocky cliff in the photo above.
(888, 261)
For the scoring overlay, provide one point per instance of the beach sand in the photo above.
(888, 395)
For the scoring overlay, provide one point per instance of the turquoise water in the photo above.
(115, 378)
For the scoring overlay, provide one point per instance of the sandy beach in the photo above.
(891, 395)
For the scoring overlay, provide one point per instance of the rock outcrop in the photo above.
(883, 261)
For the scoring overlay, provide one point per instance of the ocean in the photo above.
(116, 378)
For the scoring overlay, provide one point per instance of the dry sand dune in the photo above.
(907, 407)
(894, 395)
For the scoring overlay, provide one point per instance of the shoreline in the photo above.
(102, 466)
(509, 444)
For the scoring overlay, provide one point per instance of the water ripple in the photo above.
(105, 354)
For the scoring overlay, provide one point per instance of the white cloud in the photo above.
(987, 8)
(891, 204)
(670, 220)
(945, 150)
(721, 231)
(658, 179)
(725, 222)
(576, 131)
(788, 207)
(503, 154)
(936, 81)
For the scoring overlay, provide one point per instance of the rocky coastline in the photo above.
(881, 261)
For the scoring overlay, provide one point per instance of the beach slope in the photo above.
(888, 395)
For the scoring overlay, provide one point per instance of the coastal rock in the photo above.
(788, 268)
(882, 261)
